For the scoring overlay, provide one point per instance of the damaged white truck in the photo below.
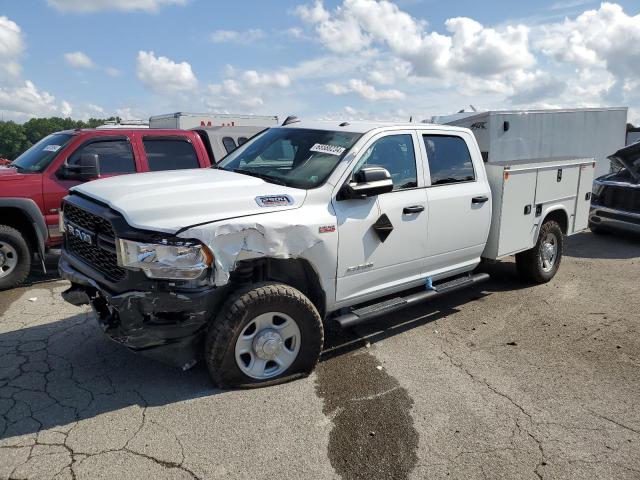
(243, 264)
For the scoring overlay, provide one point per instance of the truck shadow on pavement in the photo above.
(614, 245)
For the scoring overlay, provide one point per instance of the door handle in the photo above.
(413, 209)
(481, 199)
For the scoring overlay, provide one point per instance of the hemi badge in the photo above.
(274, 201)
(327, 229)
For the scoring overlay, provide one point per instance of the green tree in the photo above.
(16, 138)
(13, 140)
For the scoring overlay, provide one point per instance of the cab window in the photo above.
(115, 155)
(449, 159)
(229, 144)
(169, 154)
(396, 154)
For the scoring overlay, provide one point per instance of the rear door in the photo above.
(169, 152)
(459, 202)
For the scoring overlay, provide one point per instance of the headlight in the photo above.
(179, 261)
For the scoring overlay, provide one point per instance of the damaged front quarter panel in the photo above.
(253, 237)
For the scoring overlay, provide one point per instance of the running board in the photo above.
(363, 314)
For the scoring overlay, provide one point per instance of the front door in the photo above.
(383, 239)
(115, 156)
(459, 204)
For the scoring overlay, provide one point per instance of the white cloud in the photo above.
(79, 60)
(163, 75)
(25, 101)
(365, 90)
(233, 36)
(340, 32)
(11, 47)
(86, 6)
(485, 51)
(472, 48)
(606, 36)
(255, 79)
(65, 109)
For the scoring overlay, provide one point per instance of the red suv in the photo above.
(33, 185)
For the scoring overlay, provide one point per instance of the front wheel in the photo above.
(265, 334)
(15, 258)
(541, 263)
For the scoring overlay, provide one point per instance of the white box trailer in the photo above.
(186, 121)
(525, 192)
(522, 134)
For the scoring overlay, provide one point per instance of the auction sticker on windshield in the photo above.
(330, 149)
(51, 148)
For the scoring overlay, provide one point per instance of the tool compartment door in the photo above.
(517, 222)
(583, 200)
(557, 184)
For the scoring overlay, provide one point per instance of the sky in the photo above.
(320, 59)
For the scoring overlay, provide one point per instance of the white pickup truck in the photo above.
(311, 222)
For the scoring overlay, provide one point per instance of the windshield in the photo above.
(38, 157)
(295, 157)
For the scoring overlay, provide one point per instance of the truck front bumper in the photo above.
(156, 321)
(619, 219)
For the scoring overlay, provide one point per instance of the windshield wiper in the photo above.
(17, 167)
(263, 176)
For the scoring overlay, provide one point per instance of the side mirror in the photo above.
(87, 168)
(368, 182)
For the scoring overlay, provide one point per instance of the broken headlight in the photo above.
(179, 261)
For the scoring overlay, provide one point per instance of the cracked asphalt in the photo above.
(507, 380)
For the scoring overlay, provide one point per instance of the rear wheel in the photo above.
(265, 334)
(541, 263)
(15, 258)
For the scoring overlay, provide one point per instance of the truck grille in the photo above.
(101, 254)
(619, 198)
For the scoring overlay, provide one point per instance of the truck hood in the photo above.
(173, 200)
(629, 156)
(9, 173)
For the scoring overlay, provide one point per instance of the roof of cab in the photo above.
(363, 127)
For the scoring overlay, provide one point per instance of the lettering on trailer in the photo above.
(209, 124)
(478, 126)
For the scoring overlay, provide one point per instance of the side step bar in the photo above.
(360, 315)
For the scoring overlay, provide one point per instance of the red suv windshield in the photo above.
(38, 157)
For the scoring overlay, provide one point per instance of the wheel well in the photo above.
(295, 272)
(16, 218)
(559, 216)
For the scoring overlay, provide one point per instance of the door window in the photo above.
(396, 154)
(169, 154)
(449, 159)
(115, 156)
(229, 144)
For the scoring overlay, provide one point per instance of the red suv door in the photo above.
(117, 156)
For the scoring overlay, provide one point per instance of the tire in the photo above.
(15, 258)
(536, 265)
(247, 321)
(596, 229)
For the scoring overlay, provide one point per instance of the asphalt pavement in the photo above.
(506, 380)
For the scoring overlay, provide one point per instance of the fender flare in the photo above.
(545, 214)
(33, 213)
